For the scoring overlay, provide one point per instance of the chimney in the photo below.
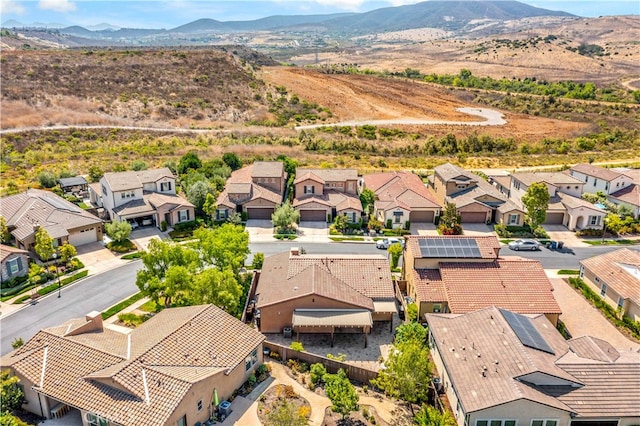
(93, 323)
(295, 251)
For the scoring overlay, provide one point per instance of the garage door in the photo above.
(259, 213)
(424, 217)
(473, 217)
(313, 215)
(85, 236)
(554, 219)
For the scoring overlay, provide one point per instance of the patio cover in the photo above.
(332, 318)
(385, 306)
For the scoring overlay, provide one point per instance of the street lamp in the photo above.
(55, 257)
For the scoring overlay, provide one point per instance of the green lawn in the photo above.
(612, 242)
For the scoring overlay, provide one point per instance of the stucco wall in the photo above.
(522, 410)
(299, 188)
(611, 296)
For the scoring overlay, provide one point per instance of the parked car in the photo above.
(524, 245)
(386, 242)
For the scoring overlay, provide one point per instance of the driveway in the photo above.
(477, 230)
(423, 229)
(561, 233)
(141, 236)
(582, 319)
(97, 258)
(259, 230)
(313, 232)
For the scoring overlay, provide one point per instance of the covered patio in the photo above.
(332, 321)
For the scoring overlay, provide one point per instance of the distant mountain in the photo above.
(12, 23)
(102, 27)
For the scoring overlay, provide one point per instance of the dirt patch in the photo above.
(366, 416)
(278, 396)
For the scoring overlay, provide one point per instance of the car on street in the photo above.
(531, 245)
(385, 243)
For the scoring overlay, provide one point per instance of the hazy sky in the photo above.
(172, 13)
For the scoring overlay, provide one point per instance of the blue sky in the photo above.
(172, 13)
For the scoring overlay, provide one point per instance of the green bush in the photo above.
(389, 224)
(297, 346)
(318, 371)
(122, 246)
(187, 226)
(131, 319)
(134, 255)
(163, 226)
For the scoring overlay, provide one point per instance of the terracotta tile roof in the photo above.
(311, 198)
(274, 169)
(629, 194)
(595, 171)
(6, 251)
(489, 246)
(330, 175)
(620, 270)
(354, 279)
(429, 285)
(176, 348)
(241, 182)
(43, 208)
(342, 201)
(308, 176)
(472, 286)
(260, 191)
(593, 348)
(407, 188)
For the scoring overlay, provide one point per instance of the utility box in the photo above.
(287, 332)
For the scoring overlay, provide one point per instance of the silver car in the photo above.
(386, 242)
(518, 245)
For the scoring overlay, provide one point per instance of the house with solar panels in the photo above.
(460, 274)
(501, 368)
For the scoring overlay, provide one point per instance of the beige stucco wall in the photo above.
(522, 410)
(611, 296)
(259, 202)
(504, 218)
(575, 214)
(317, 187)
(446, 383)
(383, 216)
(276, 184)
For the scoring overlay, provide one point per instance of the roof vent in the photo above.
(295, 288)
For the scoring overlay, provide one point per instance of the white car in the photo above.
(385, 243)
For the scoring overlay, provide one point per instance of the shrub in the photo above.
(131, 319)
(318, 371)
(340, 357)
(252, 379)
(258, 260)
(389, 224)
(163, 226)
(186, 226)
(275, 355)
(47, 179)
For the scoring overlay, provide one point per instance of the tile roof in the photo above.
(634, 174)
(489, 245)
(429, 285)
(72, 181)
(509, 206)
(342, 201)
(472, 195)
(449, 171)
(241, 182)
(620, 270)
(629, 194)
(407, 188)
(43, 208)
(274, 169)
(354, 279)
(122, 181)
(554, 178)
(168, 353)
(6, 251)
(308, 176)
(157, 199)
(135, 207)
(330, 175)
(572, 202)
(483, 341)
(595, 171)
(593, 348)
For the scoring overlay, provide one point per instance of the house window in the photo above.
(183, 215)
(397, 218)
(461, 186)
(14, 265)
(251, 360)
(594, 220)
(309, 189)
(576, 187)
(200, 405)
(182, 421)
(617, 184)
(127, 194)
(351, 216)
(586, 179)
(544, 422)
(620, 302)
(603, 290)
(514, 219)
(606, 186)
(94, 420)
(165, 186)
(437, 307)
(581, 271)
(595, 181)
(104, 190)
(496, 422)
(222, 214)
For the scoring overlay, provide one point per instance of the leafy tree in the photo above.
(536, 201)
(118, 230)
(12, 396)
(216, 168)
(95, 173)
(190, 160)
(232, 160)
(341, 223)
(209, 207)
(224, 247)
(47, 179)
(410, 332)
(285, 413)
(44, 244)
(5, 236)
(450, 220)
(35, 273)
(367, 198)
(138, 165)
(290, 165)
(395, 250)
(341, 392)
(7, 419)
(218, 287)
(167, 270)
(412, 312)
(624, 210)
(406, 373)
(285, 216)
(258, 260)
(431, 416)
(67, 252)
(317, 372)
(197, 193)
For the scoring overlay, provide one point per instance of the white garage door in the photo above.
(85, 236)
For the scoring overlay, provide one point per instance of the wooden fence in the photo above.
(358, 374)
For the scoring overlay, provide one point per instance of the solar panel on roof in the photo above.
(461, 248)
(526, 331)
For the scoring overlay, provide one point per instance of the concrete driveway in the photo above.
(313, 231)
(477, 229)
(423, 229)
(259, 230)
(141, 236)
(97, 258)
(561, 233)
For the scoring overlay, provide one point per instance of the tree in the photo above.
(218, 287)
(290, 165)
(95, 173)
(367, 198)
(536, 201)
(188, 161)
(118, 230)
(4, 231)
(412, 312)
(285, 216)
(395, 250)
(209, 207)
(406, 373)
(67, 252)
(341, 392)
(430, 416)
(226, 246)
(341, 223)
(285, 413)
(138, 165)
(317, 372)
(450, 220)
(167, 270)
(197, 193)
(44, 244)
(47, 179)
(35, 273)
(12, 396)
(232, 160)
(411, 331)
(258, 260)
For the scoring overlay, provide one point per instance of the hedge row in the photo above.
(120, 306)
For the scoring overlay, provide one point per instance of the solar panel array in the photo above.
(526, 331)
(449, 248)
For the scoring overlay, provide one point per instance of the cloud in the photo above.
(342, 4)
(402, 2)
(57, 5)
(10, 6)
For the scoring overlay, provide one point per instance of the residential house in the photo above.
(76, 185)
(322, 194)
(629, 196)
(565, 205)
(255, 190)
(597, 179)
(401, 197)
(324, 293)
(64, 221)
(143, 198)
(164, 372)
(476, 200)
(458, 274)
(500, 368)
(14, 263)
(616, 277)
